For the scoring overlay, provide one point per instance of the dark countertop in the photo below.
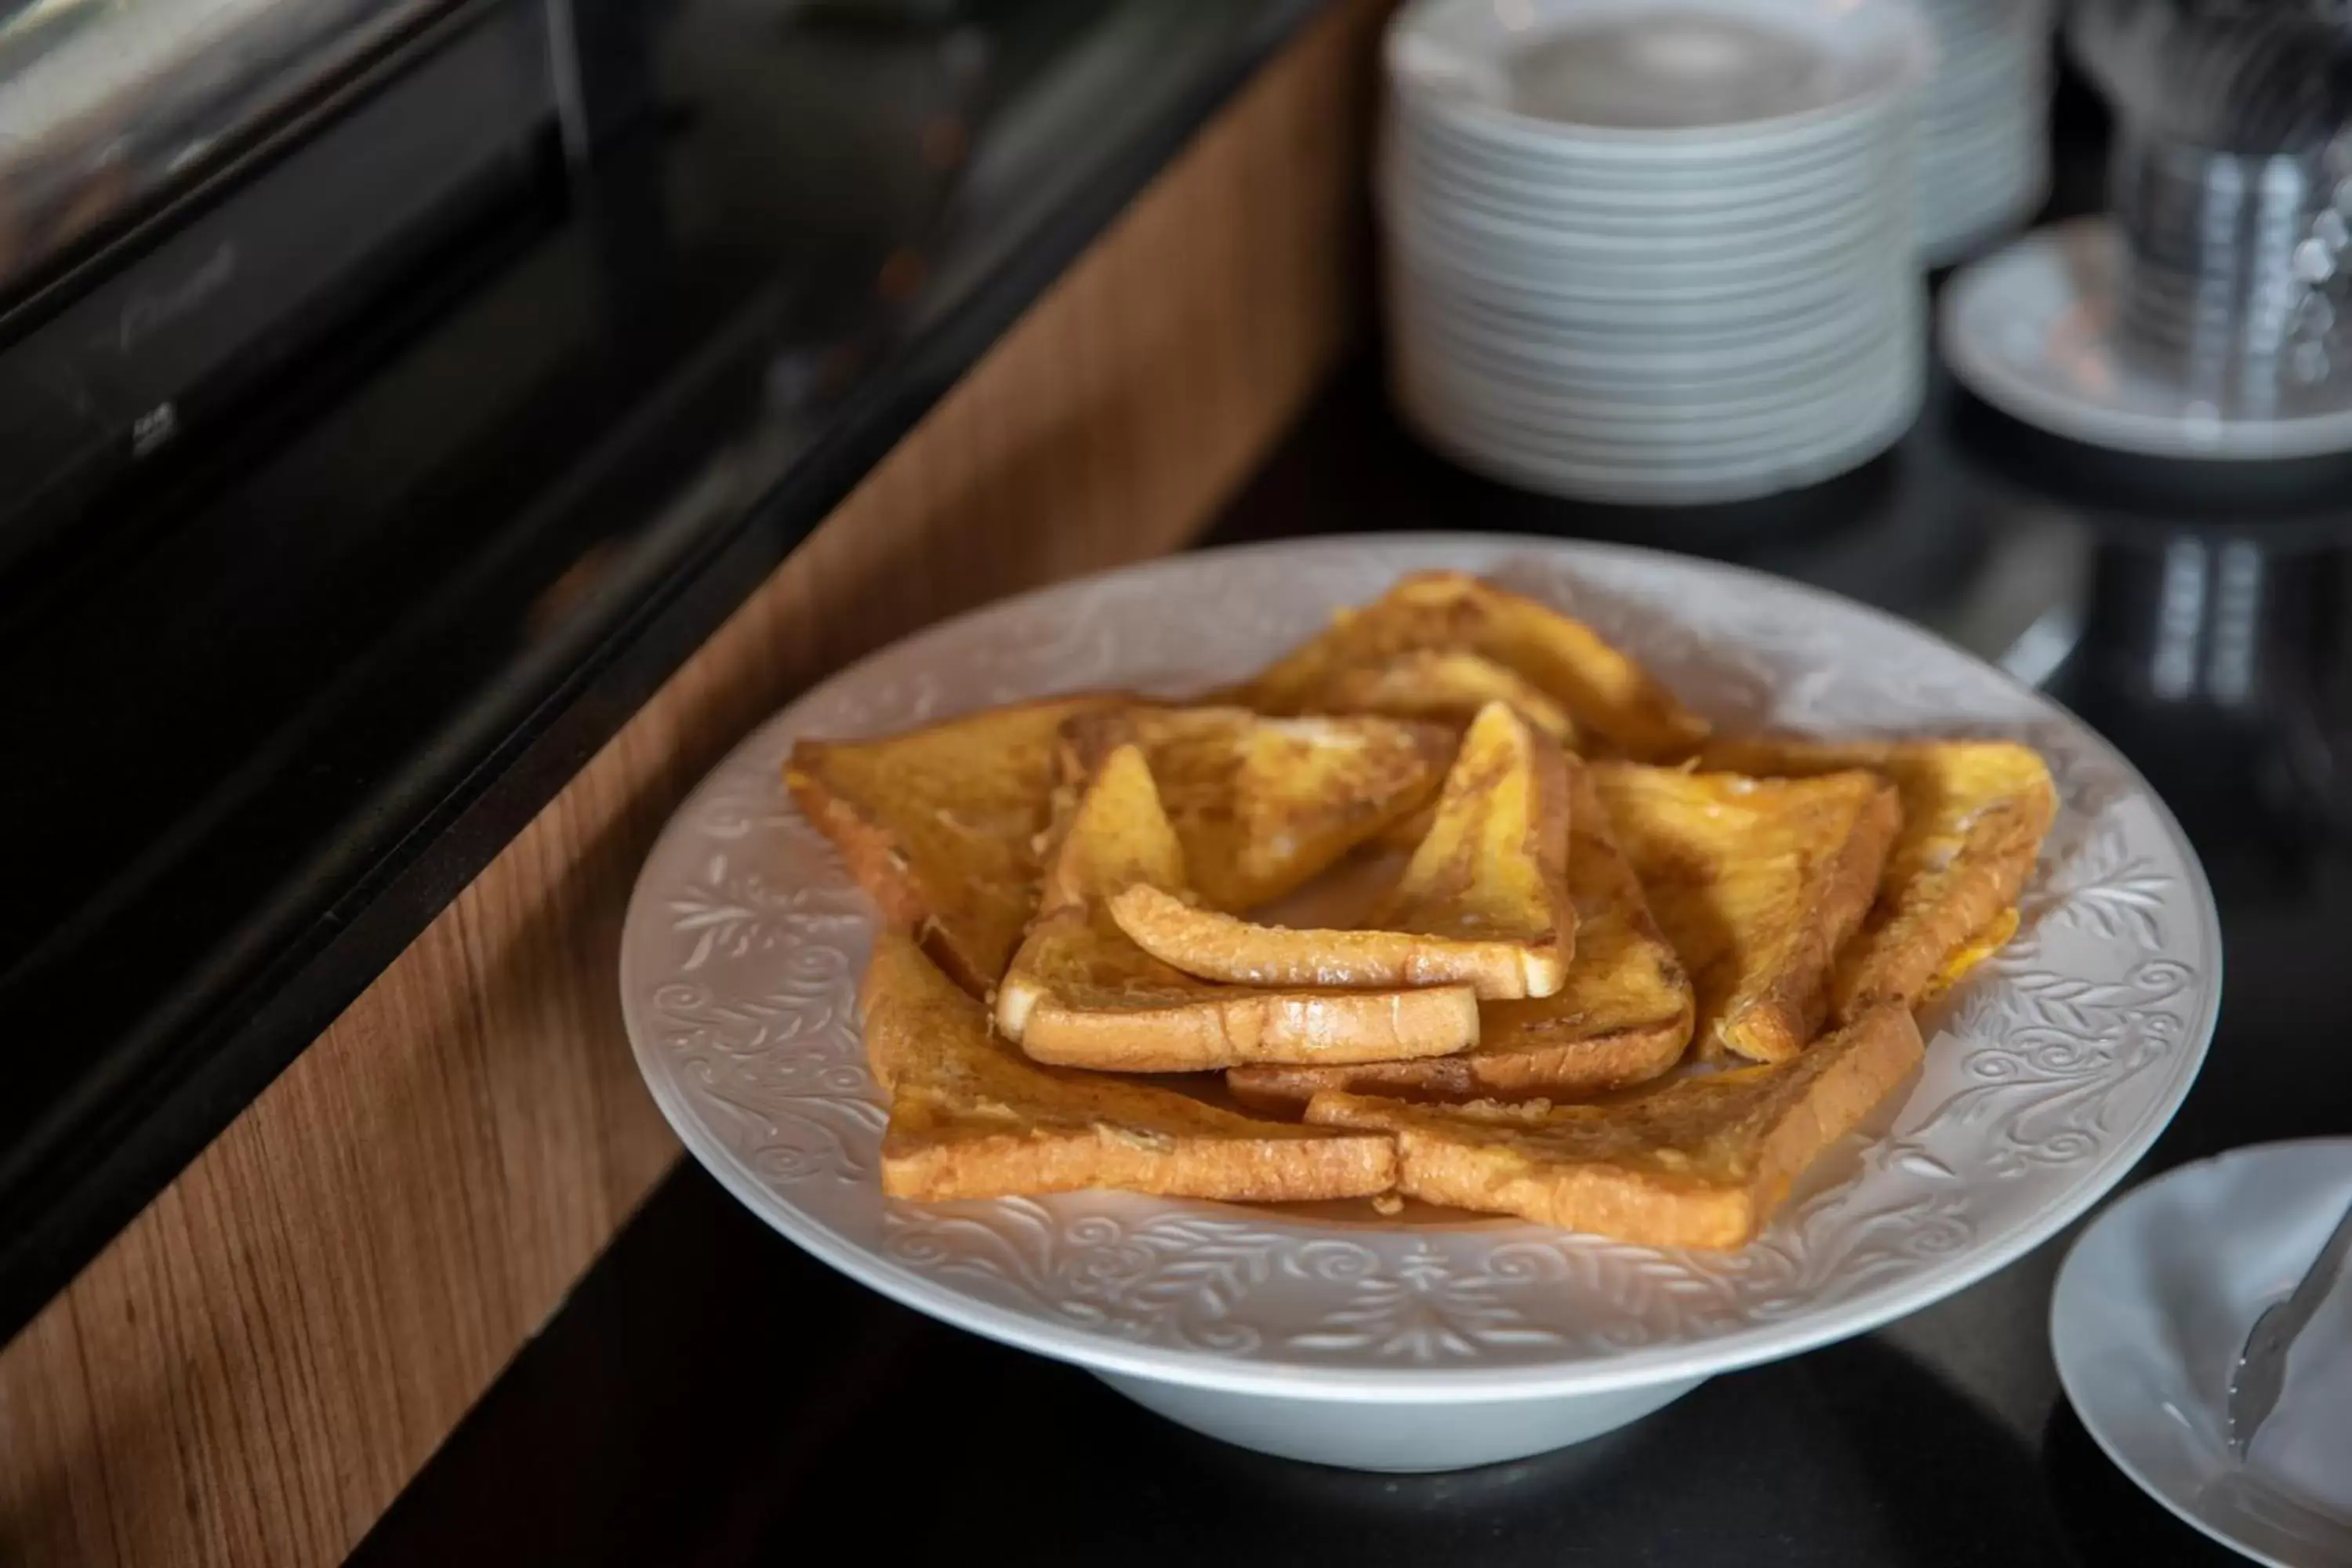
(338, 764)
(712, 1397)
(274, 708)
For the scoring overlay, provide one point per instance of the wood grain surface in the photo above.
(253, 1368)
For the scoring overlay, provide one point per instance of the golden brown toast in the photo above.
(1974, 814)
(1757, 883)
(1603, 692)
(970, 1117)
(1702, 1161)
(1080, 993)
(1446, 686)
(1263, 805)
(1622, 1018)
(1483, 901)
(939, 824)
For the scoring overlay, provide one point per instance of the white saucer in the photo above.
(2151, 1309)
(2030, 330)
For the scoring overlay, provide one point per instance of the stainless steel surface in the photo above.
(2261, 1376)
(103, 103)
(2232, 270)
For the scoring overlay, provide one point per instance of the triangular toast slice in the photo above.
(1622, 1016)
(1446, 686)
(940, 824)
(1974, 814)
(1702, 1161)
(1263, 806)
(1604, 691)
(970, 1117)
(1483, 901)
(1757, 883)
(1079, 992)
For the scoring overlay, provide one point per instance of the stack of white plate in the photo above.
(1984, 152)
(1654, 251)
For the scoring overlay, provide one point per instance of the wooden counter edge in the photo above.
(251, 1372)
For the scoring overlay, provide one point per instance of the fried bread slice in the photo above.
(1080, 993)
(1446, 686)
(1621, 1016)
(971, 1117)
(1602, 690)
(939, 826)
(1702, 1161)
(1263, 806)
(1483, 901)
(1757, 883)
(1974, 814)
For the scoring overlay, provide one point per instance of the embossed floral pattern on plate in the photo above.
(2050, 1072)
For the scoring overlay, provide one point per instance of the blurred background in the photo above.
(432, 430)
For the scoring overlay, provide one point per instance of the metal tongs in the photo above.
(2260, 1372)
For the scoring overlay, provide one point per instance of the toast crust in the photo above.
(969, 1118)
(1484, 901)
(1757, 883)
(1602, 690)
(939, 824)
(1700, 1161)
(1080, 993)
(1263, 806)
(1974, 815)
(1622, 1017)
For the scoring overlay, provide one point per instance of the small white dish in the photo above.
(2031, 330)
(2151, 1309)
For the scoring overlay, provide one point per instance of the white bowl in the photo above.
(1331, 1335)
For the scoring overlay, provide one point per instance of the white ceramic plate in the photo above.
(1771, 73)
(1659, 466)
(2031, 330)
(1582, 303)
(1696, 330)
(1817, 155)
(1682, 480)
(1663, 432)
(2150, 1311)
(1727, 371)
(1527, 249)
(1332, 1335)
(1593, 218)
(1871, 249)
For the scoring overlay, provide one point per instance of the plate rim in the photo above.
(1424, 1385)
(1990, 376)
(2212, 1530)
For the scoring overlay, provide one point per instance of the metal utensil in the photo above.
(2262, 1365)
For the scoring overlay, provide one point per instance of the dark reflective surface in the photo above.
(712, 1397)
(270, 710)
